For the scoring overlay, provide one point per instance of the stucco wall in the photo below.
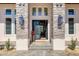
(3, 35)
(76, 21)
(7, 5)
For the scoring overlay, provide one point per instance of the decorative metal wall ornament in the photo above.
(60, 21)
(21, 21)
(58, 5)
(21, 4)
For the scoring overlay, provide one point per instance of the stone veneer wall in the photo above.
(3, 36)
(3, 16)
(51, 25)
(22, 34)
(58, 34)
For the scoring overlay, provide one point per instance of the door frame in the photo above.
(47, 25)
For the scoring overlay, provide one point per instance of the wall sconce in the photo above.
(60, 21)
(21, 21)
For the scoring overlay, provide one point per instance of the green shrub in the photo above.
(72, 46)
(8, 44)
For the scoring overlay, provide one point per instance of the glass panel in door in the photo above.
(37, 29)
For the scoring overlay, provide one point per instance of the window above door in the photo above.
(34, 11)
(39, 11)
(45, 11)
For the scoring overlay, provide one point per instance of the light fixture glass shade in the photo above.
(60, 21)
(21, 20)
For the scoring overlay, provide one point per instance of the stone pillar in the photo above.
(22, 33)
(58, 33)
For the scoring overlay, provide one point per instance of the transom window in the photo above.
(8, 11)
(8, 25)
(70, 11)
(39, 11)
(34, 11)
(71, 25)
(45, 11)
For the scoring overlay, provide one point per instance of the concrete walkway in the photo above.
(34, 53)
(40, 53)
(37, 48)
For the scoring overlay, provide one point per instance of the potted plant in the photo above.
(8, 44)
(72, 46)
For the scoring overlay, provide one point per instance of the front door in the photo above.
(40, 29)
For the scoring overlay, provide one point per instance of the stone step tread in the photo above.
(40, 48)
(40, 44)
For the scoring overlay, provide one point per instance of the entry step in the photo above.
(42, 39)
(40, 45)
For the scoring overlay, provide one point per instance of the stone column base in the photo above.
(22, 44)
(58, 44)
